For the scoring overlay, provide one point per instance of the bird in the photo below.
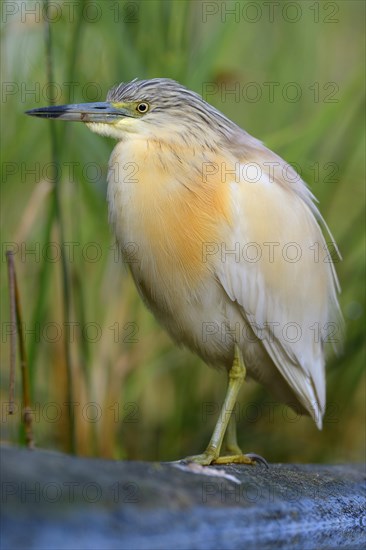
(229, 248)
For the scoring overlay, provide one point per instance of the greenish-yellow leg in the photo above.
(231, 446)
(226, 418)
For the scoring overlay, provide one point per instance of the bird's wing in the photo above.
(276, 266)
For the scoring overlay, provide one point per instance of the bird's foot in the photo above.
(232, 449)
(204, 459)
(250, 458)
(207, 458)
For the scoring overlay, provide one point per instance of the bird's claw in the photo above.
(250, 458)
(259, 459)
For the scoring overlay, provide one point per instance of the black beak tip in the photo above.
(34, 112)
(45, 112)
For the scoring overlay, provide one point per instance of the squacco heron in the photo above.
(229, 254)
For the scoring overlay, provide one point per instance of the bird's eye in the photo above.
(142, 107)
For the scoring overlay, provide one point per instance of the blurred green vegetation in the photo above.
(298, 73)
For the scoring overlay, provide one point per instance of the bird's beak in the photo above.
(104, 112)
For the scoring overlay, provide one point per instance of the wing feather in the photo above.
(282, 280)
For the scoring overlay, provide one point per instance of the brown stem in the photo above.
(13, 332)
(15, 301)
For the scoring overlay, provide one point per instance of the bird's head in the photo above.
(159, 108)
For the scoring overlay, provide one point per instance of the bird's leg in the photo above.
(230, 441)
(212, 453)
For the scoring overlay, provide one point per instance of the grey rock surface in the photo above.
(55, 501)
